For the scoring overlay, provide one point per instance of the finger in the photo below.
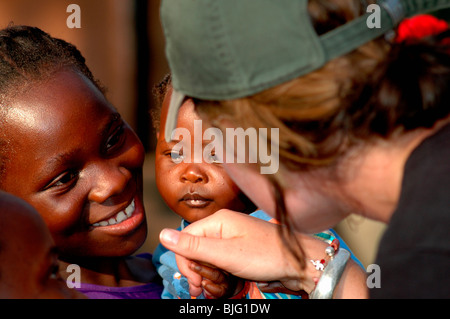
(233, 242)
(273, 286)
(206, 249)
(278, 287)
(194, 279)
(169, 238)
(213, 290)
(186, 244)
(194, 290)
(211, 273)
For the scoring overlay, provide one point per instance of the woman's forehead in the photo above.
(58, 116)
(65, 101)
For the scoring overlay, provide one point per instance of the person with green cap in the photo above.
(364, 127)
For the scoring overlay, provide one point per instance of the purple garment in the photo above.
(146, 291)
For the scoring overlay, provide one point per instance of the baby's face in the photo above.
(79, 164)
(28, 260)
(193, 190)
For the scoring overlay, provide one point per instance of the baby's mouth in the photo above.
(195, 200)
(117, 218)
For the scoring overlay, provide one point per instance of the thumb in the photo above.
(169, 238)
(190, 246)
(187, 248)
(180, 243)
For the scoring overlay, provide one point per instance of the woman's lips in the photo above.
(124, 222)
(195, 200)
(119, 217)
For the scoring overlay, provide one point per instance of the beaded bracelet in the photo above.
(332, 272)
(331, 276)
(330, 251)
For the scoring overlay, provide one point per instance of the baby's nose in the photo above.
(194, 175)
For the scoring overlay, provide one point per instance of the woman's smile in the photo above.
(87, 180)
(124, 222)
(117, 218)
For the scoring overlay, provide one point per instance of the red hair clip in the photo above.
(420, 26)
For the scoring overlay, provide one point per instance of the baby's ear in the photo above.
(157, 135)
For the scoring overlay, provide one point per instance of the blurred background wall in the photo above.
(123, 45)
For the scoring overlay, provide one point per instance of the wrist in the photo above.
(332, 269)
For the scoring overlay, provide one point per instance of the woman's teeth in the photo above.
(118, 218)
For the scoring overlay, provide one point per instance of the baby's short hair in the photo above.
(159, 92)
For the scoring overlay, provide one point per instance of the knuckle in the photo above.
(191, 244)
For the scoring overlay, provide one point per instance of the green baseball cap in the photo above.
(227, 49)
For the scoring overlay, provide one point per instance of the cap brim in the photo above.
(176, 100)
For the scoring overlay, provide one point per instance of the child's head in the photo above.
(65, 148)
(28, 259)
(192, 190)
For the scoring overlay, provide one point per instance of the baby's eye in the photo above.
(213, 158)
(176, 156)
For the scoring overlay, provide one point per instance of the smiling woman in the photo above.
(83, 183)
(77, 161)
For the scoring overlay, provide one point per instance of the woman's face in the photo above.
(79, 164)
(312, 205)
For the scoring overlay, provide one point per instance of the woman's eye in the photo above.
(66, 179)
(115, 139)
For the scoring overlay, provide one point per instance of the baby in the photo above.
(195, 191)
(28, 258)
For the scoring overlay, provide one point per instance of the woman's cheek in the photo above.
(255, 185)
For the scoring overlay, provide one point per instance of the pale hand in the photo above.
(242, 245)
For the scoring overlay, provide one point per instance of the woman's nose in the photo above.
(109, 182)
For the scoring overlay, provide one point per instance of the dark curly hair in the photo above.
(159, 92)
(27, 55)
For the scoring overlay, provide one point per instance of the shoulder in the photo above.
(414, 252)
(422, 217)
